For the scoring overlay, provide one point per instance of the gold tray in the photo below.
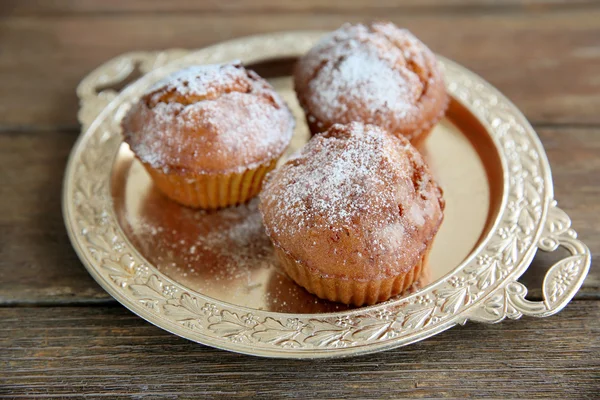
(211, 276)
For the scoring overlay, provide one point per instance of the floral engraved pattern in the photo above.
(479, 289)
(121, 270)
(149, 293)
(560, 284)
(280, 333)
(563, 279)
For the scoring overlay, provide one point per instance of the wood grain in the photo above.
(43, 7)
(108, 352)
(547, 62)
(38, 264)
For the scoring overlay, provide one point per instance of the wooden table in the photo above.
(62, 336)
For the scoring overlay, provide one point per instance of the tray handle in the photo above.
(561, 283)
(92, 99)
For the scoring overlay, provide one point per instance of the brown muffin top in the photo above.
(376, 73)
(354, 203)
(209, 119)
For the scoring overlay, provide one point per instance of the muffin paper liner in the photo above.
(349, 291)
(211, 191)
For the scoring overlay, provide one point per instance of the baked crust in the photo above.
(212, 119)
(377, 74)
(355, 205)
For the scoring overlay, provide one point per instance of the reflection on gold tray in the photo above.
(211, 276)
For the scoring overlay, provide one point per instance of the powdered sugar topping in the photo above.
(373, 73)
(201, 81)
(354, 192)
(209, 119)
(361, 80)
(334, 181)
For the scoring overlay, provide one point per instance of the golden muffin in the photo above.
(208, 134)
(353, 215)
(376, 74)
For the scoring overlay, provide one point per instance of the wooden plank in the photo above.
(38, 265)
(37, 262)
(548, 63)
(108, 352)
(42, 7)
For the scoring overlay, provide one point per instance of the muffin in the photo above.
(376, 74)
(208, 134)
(352, 216)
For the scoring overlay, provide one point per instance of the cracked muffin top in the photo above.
(377, 74)
(355, 203)
(209, 119)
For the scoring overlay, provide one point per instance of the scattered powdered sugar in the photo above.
(240, 242)
(223, 254)
(216, 246)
